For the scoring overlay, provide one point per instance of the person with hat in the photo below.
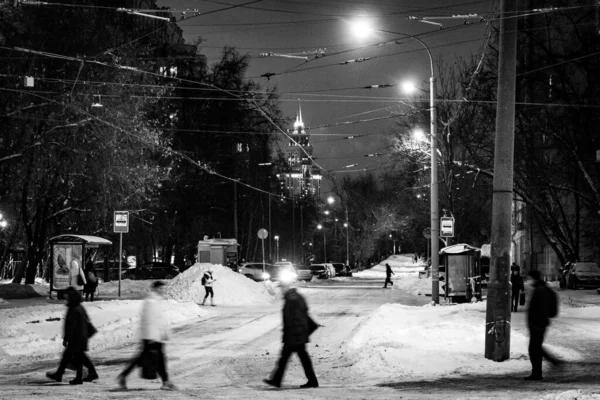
(154, 333)
(75, 341)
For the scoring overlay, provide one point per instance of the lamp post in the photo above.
(331, 200)
(363, 29)
(276, 237)
(324, 242)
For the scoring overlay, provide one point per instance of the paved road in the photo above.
(227, 356)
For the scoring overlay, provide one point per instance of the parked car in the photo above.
(583, 274)
(322, 271)
(254, 271)
(152, 270)
(342, 269)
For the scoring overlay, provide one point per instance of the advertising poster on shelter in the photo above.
(66, 261)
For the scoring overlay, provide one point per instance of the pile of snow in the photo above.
(401, 264)
(432, 342)
(414, 285)
(230, 287)
(36, 332)
(570, 395)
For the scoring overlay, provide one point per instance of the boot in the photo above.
(54, 376)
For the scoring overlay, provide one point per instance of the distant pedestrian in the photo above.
(388, 275)
(154, 333)
(297, 327)
(207, 281)
(75, 340)
(537, 321)
(89, 288)
(517, 286)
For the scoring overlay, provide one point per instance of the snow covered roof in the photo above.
(219, 242)
(459, 249)
(93, 240)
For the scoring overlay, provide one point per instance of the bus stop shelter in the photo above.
(463, 272)
(68, 254)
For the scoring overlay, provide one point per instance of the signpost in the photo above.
(263, 234)
(121, 225)
(447, 227)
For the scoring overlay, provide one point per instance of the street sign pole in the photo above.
(263, 234)
(120, 226)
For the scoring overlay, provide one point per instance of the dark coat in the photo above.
(295, 319)
(517, 282)
(537, 315)
(75, 329)
(388, 271)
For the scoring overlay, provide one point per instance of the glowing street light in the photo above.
(324, 242)
(362, 29)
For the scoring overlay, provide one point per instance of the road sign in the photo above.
(121, 224)
(262, 233)
(447, 227)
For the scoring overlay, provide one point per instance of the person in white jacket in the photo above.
(154, 333)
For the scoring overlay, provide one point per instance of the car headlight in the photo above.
(287, 276)
(265, 275)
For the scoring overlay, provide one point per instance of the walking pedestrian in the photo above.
(297, 327)
(154, 333)
(388, 275)
(517, 286)
(537, 322)
(77, 330)
(207, 281)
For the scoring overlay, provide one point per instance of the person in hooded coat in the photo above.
(297, 327)
(75, 341)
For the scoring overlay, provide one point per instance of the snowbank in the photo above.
(432, 342)
(401, 264)
(36, 332)
(230, 287)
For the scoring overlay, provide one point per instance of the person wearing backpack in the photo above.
(542, 307)
(207, 281)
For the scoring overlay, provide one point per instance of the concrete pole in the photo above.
(497, 329)
(435, 217)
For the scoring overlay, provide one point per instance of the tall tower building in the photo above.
(299, 178)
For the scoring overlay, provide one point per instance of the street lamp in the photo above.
(276, 237)
(434, 182)
(331, 200)
(3, 222)
(324, 242)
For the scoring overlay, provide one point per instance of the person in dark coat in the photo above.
(91, 280)
(388, 275)
(517, 286)
(297, 327)
(537, 322)
(75, 341)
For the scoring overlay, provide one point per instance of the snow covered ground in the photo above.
(391, 342)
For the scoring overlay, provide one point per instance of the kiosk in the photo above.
(218, 251)
(463, 272)
(68, 253)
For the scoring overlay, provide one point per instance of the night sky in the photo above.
(332, 93)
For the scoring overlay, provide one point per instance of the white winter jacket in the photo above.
(154, 323)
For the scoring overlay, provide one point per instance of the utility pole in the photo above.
(497, 328)
(270, 229)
